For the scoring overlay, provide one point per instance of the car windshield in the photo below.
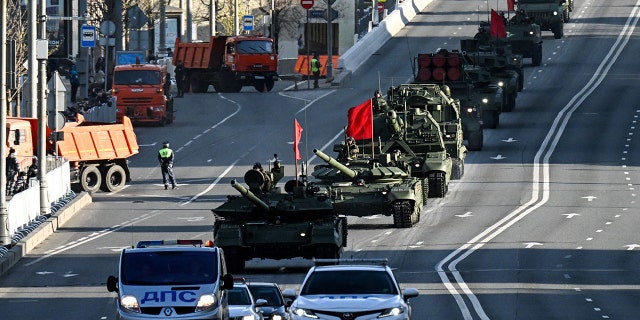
(349, 282)
(239, 296)
(269, 293)
(127, 77)
(255, 46)
(169, 268)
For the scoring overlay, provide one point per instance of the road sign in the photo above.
(107, 27)
(380, 6)
(88, 36)
(247, 22)
(306, 4)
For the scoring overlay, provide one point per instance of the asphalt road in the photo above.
(542, 225)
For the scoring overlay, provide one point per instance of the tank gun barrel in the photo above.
(249, 195)
(333, 162)
(394, 123)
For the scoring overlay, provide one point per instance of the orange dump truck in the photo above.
(139, 90)
(228, 63)
(97, 153)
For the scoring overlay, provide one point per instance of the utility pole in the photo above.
(329, 41)
(189, 22)
(212, 19)
(162, 46)
(42, 114)
(5, 236)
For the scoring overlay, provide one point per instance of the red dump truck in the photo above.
(97, 152)
(228, 63)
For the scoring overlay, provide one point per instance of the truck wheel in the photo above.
(235, 86)
(475, 141)
(566, 16)
(90, 179)
(558, 31)
(536, 59)
(491, 119)
(113, 179)
(263, 85)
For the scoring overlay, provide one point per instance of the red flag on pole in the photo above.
(497, 25)
(360, 121)
(510, 5)
(297, 134)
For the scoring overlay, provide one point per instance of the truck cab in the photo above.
(140, 93)
(162, 279)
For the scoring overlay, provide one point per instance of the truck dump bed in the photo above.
(89, 142)
(200, 55)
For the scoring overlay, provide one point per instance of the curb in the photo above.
(26, 245)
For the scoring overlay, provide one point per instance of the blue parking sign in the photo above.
(88, 36)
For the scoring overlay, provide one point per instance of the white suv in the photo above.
(351, 292)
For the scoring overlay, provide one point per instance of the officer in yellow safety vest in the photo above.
(315, 68)
(165, 157)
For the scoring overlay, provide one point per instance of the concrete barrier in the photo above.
(351, 60)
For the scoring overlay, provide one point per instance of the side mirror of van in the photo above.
(227, 282)
(112, 284)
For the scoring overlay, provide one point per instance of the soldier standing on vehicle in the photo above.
(267, 180)
(379, 103)
(179, 72)
(349, 151)
(12, 170)
(165, 157)
(315, 68)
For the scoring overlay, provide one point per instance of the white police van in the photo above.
(176, 279)
(350, 289)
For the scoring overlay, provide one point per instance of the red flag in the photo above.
(360, 125)
(297, 134)
(510, 5)
(497, 25)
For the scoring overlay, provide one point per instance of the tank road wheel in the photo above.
(491, 119)
(234, 259)
(402, 214)
(113, 178)
(90, 179)
(476, 140)
(437, 186)
(458, 169)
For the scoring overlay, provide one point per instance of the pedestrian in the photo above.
(165, 157)
(74, 80)
(169, 52)
(11, 170)
(100, 78)
(167, 85)
(179, 73)
(315, 68)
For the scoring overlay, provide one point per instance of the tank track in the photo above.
(403, 214)
(437, 186)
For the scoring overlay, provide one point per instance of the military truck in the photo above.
(524, 38)
(366, 187)
(504, 67)
(265, 223)
(469, 84)
(549, 14)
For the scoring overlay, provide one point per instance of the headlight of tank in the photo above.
(205, 302)
(501, 84)
(485, 100)
(471, 110)
(130, 303)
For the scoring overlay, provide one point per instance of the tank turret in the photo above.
(333, 162)
(249, 195)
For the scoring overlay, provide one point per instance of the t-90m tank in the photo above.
(265, 223)
(364, 187)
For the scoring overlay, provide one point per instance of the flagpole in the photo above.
(373, 149)
(295, 156)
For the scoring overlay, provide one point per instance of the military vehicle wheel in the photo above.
(521, 80)
(510, 102)
(113, 178)
(476, 141)
(233, 258)
(558, 31)
(90, 179)
(566, 16)
(326, 251)
(458, 169)
(437, 186)
(491, 119)
(536, 59)
(425, 190)
(402, 212)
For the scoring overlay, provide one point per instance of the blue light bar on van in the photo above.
(151, 243)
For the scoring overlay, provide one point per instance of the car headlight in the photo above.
(249, 317)
(304, 313)
(501, 84)
(277, 317)
(205, 302)
(485, 100)
(130, 303)
(391, 312)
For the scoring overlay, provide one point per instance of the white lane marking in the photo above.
(539, 185)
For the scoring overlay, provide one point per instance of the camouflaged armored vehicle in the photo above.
(550, 15)
(505, 68)
(262, 222)
(366, 187)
